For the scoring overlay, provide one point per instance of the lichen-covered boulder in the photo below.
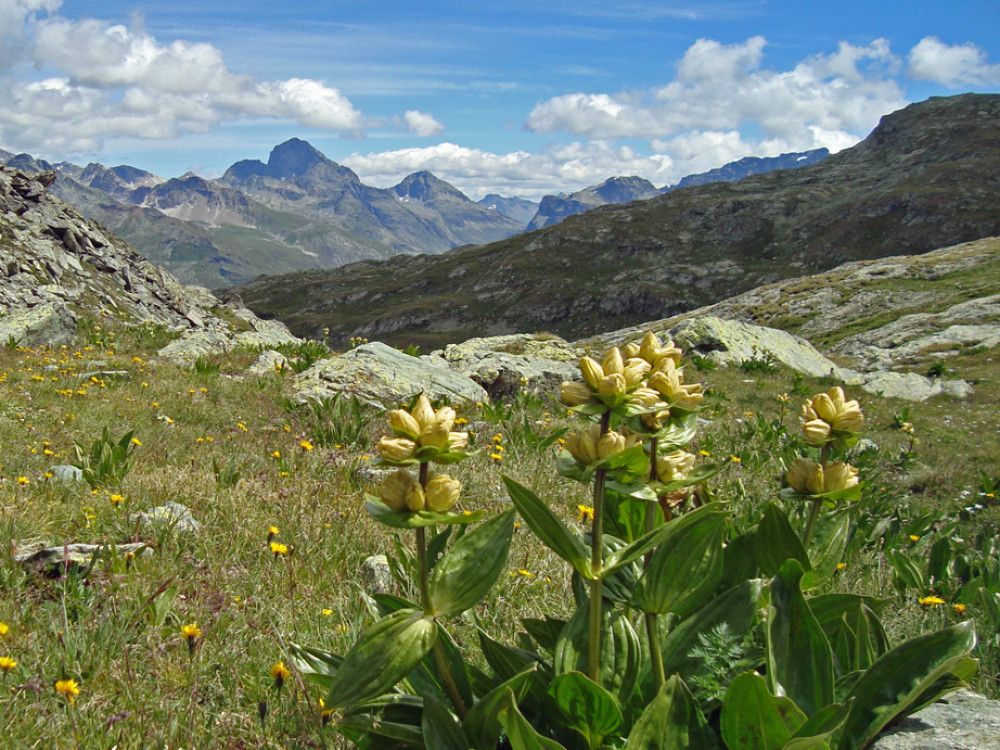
(184, 351)
(728, 342)
(910, 386)
(962, 720)
(379, 374)
(504, 365)
(51, 325)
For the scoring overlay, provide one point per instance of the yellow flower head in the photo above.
(959, 608)
(306, 445)
(586, 512)
(279, 549)
(69, 689)
(930, 601)
(4, 628)
(7, 664)
(280, 673)
(191, 631)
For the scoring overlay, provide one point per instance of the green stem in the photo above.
(824, 456)
(652, 632)
(425, 602)
(596, 563)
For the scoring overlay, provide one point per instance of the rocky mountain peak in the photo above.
(293, 158)
(424, 186)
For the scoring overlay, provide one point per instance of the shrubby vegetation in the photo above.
(232, 637)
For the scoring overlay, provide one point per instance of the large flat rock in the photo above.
(380, 374)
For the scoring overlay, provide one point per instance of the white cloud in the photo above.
(951, 65)
(724, 87)
(113, 81)
(422, 124)
(477, 172)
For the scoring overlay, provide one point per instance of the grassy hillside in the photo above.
(242, 458)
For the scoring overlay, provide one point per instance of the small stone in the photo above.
(376, 575)
(66, 473)
(177, 516)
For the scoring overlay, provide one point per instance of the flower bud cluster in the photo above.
(420, 428)
(591, 446)
(808, 477)
(830, 418)
(401, 492)
(647, 376)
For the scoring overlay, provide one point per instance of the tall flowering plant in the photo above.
(657, 557)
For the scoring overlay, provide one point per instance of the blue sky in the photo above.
(515, 96)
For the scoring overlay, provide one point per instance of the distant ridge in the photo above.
(927, 177)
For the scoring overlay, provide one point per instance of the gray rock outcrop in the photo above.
(963, 720)
(504, 365)
(55, 264)
(379, 374)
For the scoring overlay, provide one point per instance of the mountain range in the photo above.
(928, 176)
(300, 210)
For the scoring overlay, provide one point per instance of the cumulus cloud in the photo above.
(825, 100)
(116, 81)
(951, 65)
(422, 124)
(477, 172)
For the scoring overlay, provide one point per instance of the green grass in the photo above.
(234, 453)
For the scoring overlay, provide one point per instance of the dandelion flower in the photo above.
(276, 454)
(279, 549)
(306, 445)
(930, 601)
(191, 631)
(7, 664)
(136, 441)
(23, 480)
(586, 512)
(69, 689)
(326, 612)
(4, 629)
(914, 538)
(280, 673)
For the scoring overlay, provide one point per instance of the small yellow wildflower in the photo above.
(930, 601)
(136, 441)
(326, 612)
(7, 664)
(116, 499)
(4, 629)
(279, 549)
(280, 673)
(841, 566)
(959, 608)
(306, 445)
(704, 453)
(191, 631)
(525, 573)
(586, 512)
(276, 454)
(914, 538)
(23, 480)
(69, 689)
(736, 459)
(242, 427)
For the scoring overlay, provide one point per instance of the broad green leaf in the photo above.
(394, 719)
(482, 723)
(585, 707)
(544, 632)
(383, 655)
(440, 729)
(851, 624)
(815, 732)
(828, 545)
(620, 650)
(672, 721)
(753, 719)
(549, 528)
(740, 560)
(520, 734)
(937, 562)
(736, 607)
(697, 475)
(405, 520)
(625, 515)
(799, 658)
(470, 568)
(898, 682)
(777, 542)
(683, 571)
(315, 664)
(505, 661)
(908, 575)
